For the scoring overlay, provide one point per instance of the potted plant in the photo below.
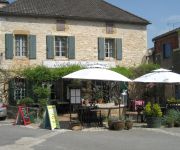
(128, 124)
(116, 124)
(171, 119)
(153, 115)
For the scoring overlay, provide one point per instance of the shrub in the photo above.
(153, 110)
(25, 101)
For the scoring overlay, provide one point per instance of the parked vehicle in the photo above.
(3, 111)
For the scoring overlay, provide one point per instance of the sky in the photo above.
(164, 15)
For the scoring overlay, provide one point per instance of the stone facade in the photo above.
(134, 39)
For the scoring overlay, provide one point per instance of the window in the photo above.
(61, 46)
(19, 88)
(109, 28)
(167, 50)
(109, 47)
(75, 96)
(60, 25)
(20, 45)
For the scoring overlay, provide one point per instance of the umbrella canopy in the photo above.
(97, 74)
(159, 76)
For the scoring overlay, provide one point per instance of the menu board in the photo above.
(23, 116)
(51, 118)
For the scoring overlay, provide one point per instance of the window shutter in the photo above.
(71, 47)
(32, 47)
(9, 46)
(101, 51)
(50, 46)
(119, 49)
(11, 92)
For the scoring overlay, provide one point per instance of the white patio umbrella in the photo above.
(159, 76)
(97, 74)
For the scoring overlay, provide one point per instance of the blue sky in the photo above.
(163, 14)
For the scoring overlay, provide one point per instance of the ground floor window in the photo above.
(19, 88)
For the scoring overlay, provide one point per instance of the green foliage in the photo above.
(135, 72)
(43, 102)
(25, 101)
(128, 72)
(38, 74)
(143, 69)
(41, 92)
(171, 117)
(42, 74)
(153, 110)
(62, 71)
(172, 100)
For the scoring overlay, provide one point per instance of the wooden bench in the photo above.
(135, 113)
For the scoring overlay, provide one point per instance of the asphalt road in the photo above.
(20, 138)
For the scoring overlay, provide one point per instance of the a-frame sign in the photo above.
(22, 117)
(51, 118)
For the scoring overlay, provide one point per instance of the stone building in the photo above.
(58, 32)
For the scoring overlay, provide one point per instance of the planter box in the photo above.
(153, 122)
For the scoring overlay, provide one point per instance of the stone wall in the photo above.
(134, 39)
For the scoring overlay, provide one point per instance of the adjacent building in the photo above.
(167, 50)
(167, 53)
(59, 32)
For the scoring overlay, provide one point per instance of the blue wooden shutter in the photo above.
(71, 47)
(9, 46)
(32, 47)
(50, 46)
(101, 49)
(119, 49)
(167, 50)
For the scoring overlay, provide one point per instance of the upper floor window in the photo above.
(61, 46)
(109, 47)
(21, 45)
(60, 25)
(167, 50)
(109, 28)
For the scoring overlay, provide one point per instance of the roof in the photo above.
(4, 1)
(71, 9)
(166, 34)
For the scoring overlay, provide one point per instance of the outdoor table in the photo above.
(89, 114)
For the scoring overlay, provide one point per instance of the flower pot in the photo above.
(170, 124)
(153, 122)
(128, 125)
(118, 125)
(177, 124)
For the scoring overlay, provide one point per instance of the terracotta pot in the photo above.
(128, 125)
(118, 125)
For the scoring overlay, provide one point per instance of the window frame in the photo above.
(23, 44)
(60, 46)
(108, 50)
(19, 90)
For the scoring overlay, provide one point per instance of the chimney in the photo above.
(3, 3)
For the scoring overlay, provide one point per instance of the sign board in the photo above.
(51, 118)
(22, 116)
(86, 64)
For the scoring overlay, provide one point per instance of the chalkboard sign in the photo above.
(22, 116)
